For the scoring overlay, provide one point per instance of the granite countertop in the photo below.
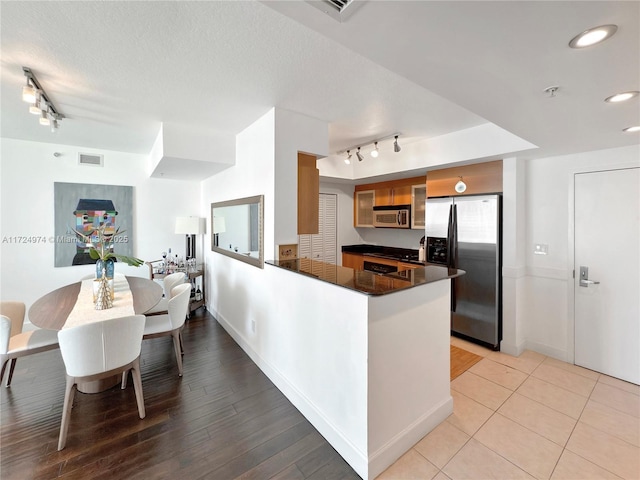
(366, 282)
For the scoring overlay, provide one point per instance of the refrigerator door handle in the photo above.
(452, 240)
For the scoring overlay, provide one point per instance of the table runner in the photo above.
(85, 311)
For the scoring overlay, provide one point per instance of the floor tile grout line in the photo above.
(480, 376)
(563, 447)
(523, 426)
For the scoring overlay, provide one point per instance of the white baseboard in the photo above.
(352, 455)
(385, 456)
(511, 348)
(553, 352)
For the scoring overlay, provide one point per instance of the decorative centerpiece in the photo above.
(104, 298)
(101, 244)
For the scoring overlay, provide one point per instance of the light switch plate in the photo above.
(541, 249)
(287, 252)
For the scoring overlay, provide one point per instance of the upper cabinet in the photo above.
(393, 195)
(394, 192)
(363, 202)
(308, 194)
(418, 205)
(479, 178)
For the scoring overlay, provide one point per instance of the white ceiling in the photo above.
(117, 70)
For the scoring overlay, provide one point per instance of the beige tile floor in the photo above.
(530, 417)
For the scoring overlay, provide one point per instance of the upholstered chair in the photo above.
(14, 343)
(168, 283)
(99, 350)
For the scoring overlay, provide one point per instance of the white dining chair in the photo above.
(100, 350)
(172, 323)
(14, 343)
(170, 281)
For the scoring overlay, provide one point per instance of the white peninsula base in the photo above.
(370, 372)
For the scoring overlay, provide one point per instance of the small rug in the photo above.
(461, 361)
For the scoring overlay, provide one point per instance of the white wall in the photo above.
(28, 171)
(548, 307)
(346, 234)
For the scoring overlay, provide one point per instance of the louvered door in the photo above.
(322, 246)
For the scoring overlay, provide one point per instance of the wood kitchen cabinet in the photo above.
(418, 206)
(356, 261)
(393, 195)
(353, 260)
(308, 192)
(363, 208)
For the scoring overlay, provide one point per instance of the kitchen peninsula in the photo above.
(369, 367)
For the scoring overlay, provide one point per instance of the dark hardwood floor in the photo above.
(223, 419)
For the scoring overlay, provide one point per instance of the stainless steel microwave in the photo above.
(393, 216)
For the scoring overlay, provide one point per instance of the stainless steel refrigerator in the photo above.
(465, 232)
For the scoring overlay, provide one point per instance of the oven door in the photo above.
(379, 268)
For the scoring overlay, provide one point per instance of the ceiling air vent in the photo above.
(337, 9)
(89, 159)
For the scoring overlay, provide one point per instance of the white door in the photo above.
(607, 243)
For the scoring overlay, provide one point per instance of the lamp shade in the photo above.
(190, 225)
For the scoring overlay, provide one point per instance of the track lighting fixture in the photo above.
(34, 94)
(396, 147)
(374, 152)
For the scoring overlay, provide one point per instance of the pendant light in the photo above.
(460, 186)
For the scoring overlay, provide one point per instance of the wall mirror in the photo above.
(237, 229)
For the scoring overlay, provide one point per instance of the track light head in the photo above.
(28, 93)
(374, 152)
(44, 118)
(359, 155)
(396, 147)
(348, 159)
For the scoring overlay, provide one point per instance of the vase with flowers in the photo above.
(100, 243)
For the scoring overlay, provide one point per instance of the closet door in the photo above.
(322, 246)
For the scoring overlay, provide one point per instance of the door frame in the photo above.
(571, 314)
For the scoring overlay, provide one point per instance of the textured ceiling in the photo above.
(117, 70)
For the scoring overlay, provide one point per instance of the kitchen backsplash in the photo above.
(391, 237)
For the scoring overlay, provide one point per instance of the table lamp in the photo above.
(190, 226)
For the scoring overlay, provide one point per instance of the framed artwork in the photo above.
(85, 207)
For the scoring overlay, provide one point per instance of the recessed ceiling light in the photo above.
(632, 129)
(621, 97)
(593, 36)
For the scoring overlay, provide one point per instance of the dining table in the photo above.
(73, 305)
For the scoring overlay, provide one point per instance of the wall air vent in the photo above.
(91, 159)
(339, 10)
